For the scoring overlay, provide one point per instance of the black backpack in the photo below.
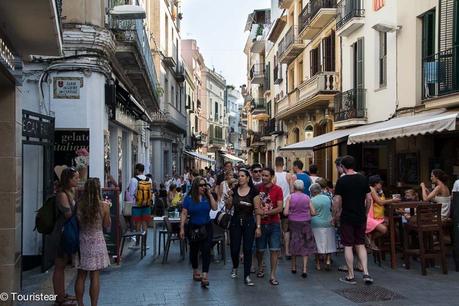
(45, 218)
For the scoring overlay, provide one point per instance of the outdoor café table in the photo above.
(392, 207)
(155, 221)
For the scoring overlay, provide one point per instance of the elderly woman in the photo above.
(440, 194)
(322, 228)
(299, 211)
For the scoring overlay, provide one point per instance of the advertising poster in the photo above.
(71, 149)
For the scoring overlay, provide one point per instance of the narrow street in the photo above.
(147, 283)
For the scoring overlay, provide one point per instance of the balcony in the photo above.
(179, 73)
(290, 46)
(440, 78)
(315, 16)
(316, 93)
(286, 103)
(350, 108)
(200, 139)
(285, 4)
(277, 74)
(134, 55)
(32, 27)
(259, 110)
(274, 127)
(258, 45)
(257, 74)
(216, 139)
(170, 119)
(351, 16)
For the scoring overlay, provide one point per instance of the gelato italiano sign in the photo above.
(67, 87)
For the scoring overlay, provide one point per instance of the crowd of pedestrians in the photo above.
(269, 213)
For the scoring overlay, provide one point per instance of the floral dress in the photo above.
(93, 250)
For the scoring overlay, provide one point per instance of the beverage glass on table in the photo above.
(396, 196)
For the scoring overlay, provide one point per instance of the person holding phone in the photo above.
(245, 225)
(197, 206)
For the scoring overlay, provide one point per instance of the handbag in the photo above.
(127, 209)
(223, 219)
(198, 233)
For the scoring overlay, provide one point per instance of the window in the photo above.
(291, 85)
(300, 72)
(315, 61)
(166, 91)
(428, 34)
(166, 27)
(382, 59)
(358, 68)
(216, 111)
(172, 95)
(268, 106)
(329, 52)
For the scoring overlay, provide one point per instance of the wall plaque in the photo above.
(67, 87)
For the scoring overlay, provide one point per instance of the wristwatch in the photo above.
(258, 226)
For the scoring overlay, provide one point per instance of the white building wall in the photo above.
(380, 102)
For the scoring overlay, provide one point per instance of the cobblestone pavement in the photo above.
(147, 282)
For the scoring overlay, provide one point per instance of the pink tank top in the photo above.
(299, 207)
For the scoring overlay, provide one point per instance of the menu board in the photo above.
(112, 237)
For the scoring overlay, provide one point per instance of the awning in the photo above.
(310, 144)
(232, 157)
(199, 156)
(421, 124)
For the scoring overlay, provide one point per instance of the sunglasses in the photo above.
(256, 171)
(202, 185)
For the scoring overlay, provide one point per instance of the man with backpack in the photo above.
(140, 190)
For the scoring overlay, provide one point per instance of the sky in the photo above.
(218, 27)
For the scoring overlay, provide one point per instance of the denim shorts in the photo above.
(270, 237)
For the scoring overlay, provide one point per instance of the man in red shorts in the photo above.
(350, 206)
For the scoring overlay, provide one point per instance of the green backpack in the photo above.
(46, 216)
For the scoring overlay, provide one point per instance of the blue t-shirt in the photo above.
(306, 180)
(198, 212)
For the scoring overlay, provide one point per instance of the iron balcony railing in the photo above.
(257, 70)
(134, 31)
(258, 105)
(350, 105)
(273, 127)
(348, 9)
(311, 9)
(290, 38)
(440, 73)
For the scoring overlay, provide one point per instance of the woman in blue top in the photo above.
(197, 205)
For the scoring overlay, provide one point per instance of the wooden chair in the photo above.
(172, 235)
(125, 233)
(428, 222)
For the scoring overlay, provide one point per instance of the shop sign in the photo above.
(67, 87)
(124, 119)
(71, 149)
(377, 4)
(5, 55)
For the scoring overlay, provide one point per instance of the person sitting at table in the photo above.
(376, 226)
(410, 196)
(440, 194)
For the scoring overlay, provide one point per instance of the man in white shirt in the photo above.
(456, 186)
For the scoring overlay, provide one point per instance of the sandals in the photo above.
(348, 280)
(205, 283)
(261, 273)
(197, 276)
(368, 279)
(328, 266)
(65, 303)
(273, 282)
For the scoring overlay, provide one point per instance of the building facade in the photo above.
(233, 101)
(168, 132)
(18, 128)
